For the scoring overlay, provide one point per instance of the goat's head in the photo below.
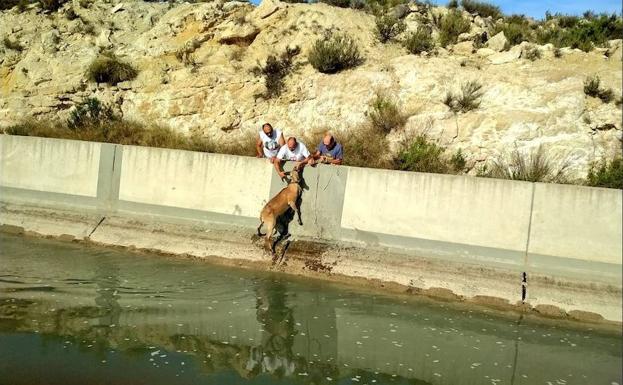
(295, 176)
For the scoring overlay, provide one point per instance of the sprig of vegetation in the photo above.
(468, 99)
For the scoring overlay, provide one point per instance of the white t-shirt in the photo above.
(270, 145)
(300, 153)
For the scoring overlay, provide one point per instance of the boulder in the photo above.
(400, 11)
(266, 8)
(485, 52)
(241, 35)
(464, 48)
(506, 57)
(497, 42)
(103, 39)
(49, 41)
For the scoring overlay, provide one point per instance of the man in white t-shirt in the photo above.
(268, 142)
(293, 151)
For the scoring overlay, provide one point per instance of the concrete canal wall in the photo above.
(548, 230)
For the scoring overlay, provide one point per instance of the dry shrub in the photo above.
(109, 69)
(534, 166)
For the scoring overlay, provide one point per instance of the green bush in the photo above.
(451, 26)
(532, 167)
(334, 52)
(422, 155)
(517, 19)
(385, 115)
(606, 174)
(453, 4)
(274, 72)
(109, 69)
(482, 8)
(468, 99)
(515, 32)
(458, 161)
(584, 34)
(419, 41)
(90, 112)
(566, 21)
(388, 27)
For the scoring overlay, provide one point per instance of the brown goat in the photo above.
(288, 197)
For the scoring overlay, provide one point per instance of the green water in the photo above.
(71, 314)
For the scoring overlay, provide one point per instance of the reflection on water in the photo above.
(71, 314)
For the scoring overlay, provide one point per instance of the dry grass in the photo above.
(109, 69)
(534, 166)
(366, 147)
(136, 134)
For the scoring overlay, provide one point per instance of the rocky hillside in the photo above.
(195, 74)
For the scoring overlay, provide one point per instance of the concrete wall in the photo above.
(541, 228)
(60, 166)
(223, 184)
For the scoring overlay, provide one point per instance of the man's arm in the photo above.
(279, 167)
(278, 162)
(281, 140)
(258, 147)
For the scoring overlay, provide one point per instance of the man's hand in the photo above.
(282, 174)
(259, 156)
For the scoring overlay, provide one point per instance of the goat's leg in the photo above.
(297, 208)
(270, 229)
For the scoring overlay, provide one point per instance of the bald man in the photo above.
(294, 151)
(329, 151)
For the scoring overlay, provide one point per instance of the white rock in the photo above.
(497, 42)
(117, 8)
(464, 48)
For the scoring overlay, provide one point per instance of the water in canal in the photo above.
(72, 314)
